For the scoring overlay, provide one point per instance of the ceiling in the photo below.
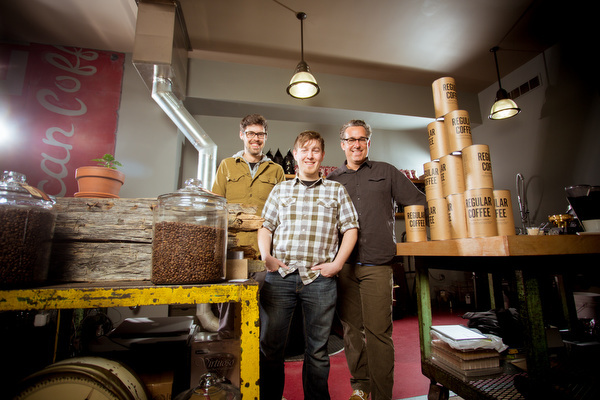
(409, 41)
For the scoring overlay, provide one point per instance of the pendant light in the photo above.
(303, 84)
(503, 107)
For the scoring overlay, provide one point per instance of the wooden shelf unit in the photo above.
(529, 259)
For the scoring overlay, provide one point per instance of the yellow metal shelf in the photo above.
(139, 293)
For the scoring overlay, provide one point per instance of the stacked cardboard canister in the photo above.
(459, 185)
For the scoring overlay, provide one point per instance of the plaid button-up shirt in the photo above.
(306, 222)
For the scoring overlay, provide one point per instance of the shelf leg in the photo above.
(423, 306)
(533, 324)
(249, 355)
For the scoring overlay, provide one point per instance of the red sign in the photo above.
(58, 111)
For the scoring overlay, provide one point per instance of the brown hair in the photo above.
(253, 119)
(307, 136)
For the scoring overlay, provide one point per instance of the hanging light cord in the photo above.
(301, 16)
(284, 6)
(494, 50)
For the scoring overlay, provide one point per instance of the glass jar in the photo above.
(211, 387)
(27, 219)
(189, 236)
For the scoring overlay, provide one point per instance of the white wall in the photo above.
(147, 141)
(553, 142)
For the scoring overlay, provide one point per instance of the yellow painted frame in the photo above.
(130, 294)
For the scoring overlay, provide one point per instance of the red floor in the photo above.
(408, 380)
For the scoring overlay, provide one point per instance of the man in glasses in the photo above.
(365, 284)
(247, 178)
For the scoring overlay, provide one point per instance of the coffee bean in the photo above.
(25, 244)
(187, 253)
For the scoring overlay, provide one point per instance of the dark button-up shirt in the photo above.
(375, 188)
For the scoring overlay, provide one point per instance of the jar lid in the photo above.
(192, 195)
(14, 190)
(211, 386)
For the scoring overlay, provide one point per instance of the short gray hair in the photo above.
(356, 122)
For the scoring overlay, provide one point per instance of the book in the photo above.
(459, 332)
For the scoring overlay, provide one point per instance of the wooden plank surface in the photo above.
(102, 239)
(104, 220)
(504, 246)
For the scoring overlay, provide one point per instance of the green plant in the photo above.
(108, 161)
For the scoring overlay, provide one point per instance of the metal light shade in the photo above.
(303, 84)
(503, 107)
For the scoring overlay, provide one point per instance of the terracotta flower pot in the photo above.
(94, 181)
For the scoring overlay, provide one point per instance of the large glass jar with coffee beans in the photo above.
(189, 236)
(27, 219)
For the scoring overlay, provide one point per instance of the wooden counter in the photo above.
(504, 246)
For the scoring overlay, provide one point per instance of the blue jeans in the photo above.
(278, 298)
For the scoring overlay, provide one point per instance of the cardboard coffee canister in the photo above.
(432, 180)
(451, 174)
(457, 216)
(481, 213)
(505, 221)
(439, 222)
(416, 226)
(477, 167)
(457, 125)
(444, 96)
(438, 142)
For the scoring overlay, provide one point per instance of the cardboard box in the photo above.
(236, 269)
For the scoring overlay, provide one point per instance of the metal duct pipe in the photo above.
(160, 55)
(163, 94)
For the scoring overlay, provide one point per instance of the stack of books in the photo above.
(463, 351)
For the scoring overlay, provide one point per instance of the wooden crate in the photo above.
(102, 239)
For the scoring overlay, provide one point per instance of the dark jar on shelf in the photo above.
(189, 243)
(27, 220)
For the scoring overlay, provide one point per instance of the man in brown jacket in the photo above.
(247, 178)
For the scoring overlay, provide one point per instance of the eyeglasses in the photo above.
(260, 135)
(351, 141)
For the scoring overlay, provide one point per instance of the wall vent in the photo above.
(525, 87)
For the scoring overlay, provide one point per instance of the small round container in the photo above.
(438, 141)
(439, 220)
(433, 181)
(457, 126)
(415, 223)
(444, 96)
(27, 219)
(189, 236)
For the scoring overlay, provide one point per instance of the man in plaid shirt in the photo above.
(304, 219)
